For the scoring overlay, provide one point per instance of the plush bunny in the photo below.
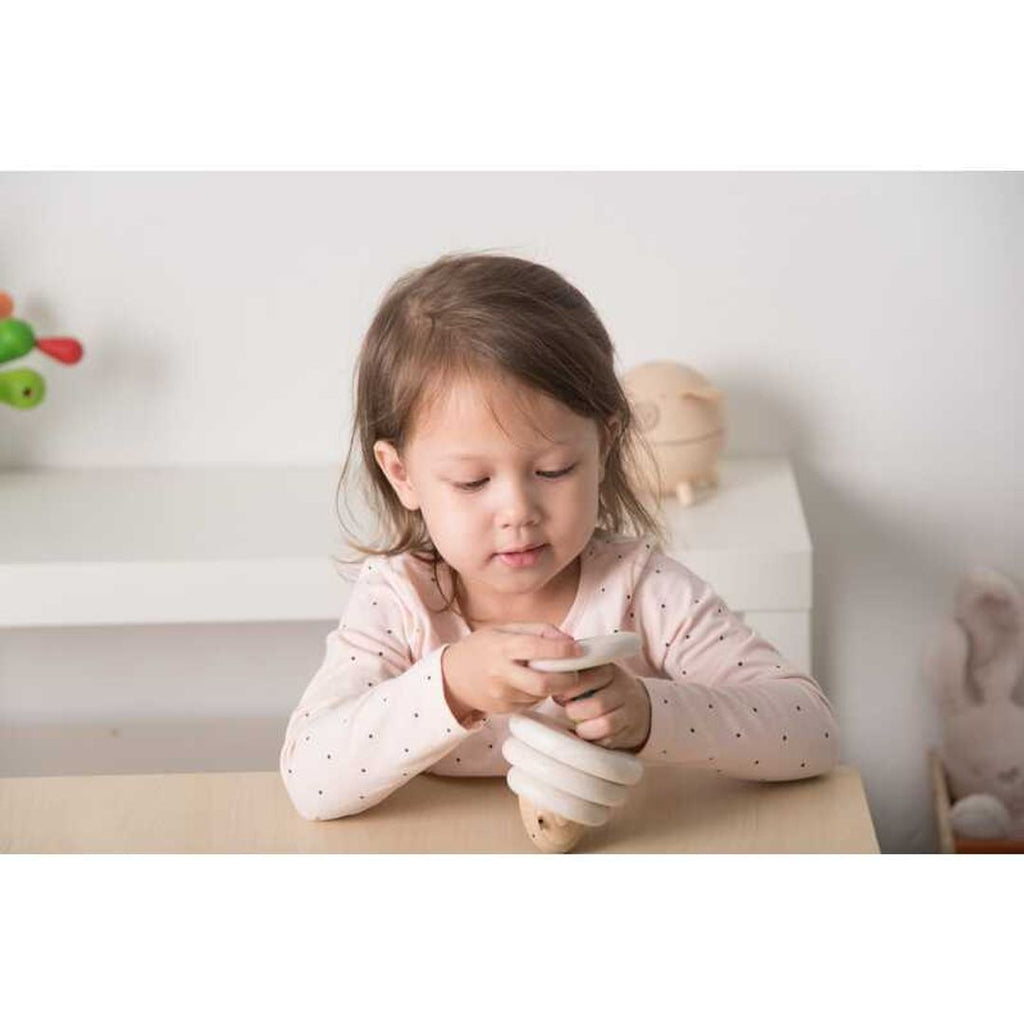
(976, 666)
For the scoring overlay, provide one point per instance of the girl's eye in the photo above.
(554, 475)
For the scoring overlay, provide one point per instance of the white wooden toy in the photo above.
(565, 783)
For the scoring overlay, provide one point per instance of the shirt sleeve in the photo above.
(730, 699)
(371, 718)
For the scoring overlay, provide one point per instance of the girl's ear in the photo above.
(394, 469)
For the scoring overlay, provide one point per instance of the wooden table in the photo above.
(672, 810)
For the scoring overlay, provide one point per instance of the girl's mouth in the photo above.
(523, 559)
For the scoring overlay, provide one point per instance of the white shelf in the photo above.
(88, 547)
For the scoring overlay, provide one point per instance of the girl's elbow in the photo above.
(315, 804)
(808, 764)
(832, 760)
(299, 796)
(319, 807)
(822, 761)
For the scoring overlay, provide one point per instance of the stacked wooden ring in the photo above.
(566, 784)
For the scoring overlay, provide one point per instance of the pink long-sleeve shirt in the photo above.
(375, 715)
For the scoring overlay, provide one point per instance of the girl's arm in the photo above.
(370, 719)
(731, 701)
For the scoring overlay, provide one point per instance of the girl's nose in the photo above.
(518, 504)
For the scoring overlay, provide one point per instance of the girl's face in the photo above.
(481, 492)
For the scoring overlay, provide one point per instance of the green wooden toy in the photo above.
(24, 388)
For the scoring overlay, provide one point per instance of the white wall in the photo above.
(867, 324)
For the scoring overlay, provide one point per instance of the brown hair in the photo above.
(476, 315)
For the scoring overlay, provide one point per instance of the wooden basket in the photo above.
(949, 841)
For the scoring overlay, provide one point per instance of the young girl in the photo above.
(501, 455)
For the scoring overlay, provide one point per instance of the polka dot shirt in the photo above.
(375, 714)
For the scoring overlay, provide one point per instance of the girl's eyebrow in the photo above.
(469, 456)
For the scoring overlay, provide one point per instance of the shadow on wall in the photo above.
(757, 422)
(879, 591)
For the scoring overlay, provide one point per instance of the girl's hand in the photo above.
(618, 715)
(487, 671)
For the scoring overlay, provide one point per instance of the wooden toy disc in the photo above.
(559, 742)
(561, 776)
(597, 650)
(565, 804)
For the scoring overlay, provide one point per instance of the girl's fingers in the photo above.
(536, 640)
(613, 740)
(526, 682)
(604, 723)
(591, 680)
(606, 699)
(576, 694)
(598, 675)
(538, 684)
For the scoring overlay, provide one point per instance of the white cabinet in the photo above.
(749, 540)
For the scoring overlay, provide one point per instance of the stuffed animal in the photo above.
(975, 665)
(682, 417)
